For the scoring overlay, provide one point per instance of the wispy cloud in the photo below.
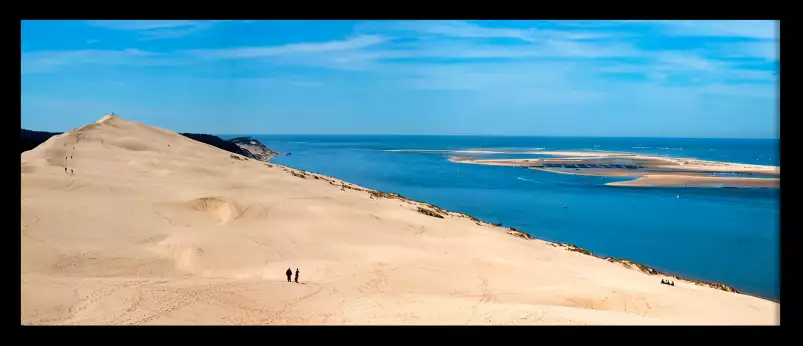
(744, 29)
(462, 55)
(685, 61)
(352, 43)
(753, 29)
(48, 61)
(445, 28)
(463, 29)
(143, 24)
(767, 50)
(157, 29)
(587, 73)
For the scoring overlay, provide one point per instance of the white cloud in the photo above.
(455, 55)
(746, 29)
(463, 29)
(157, 29)
(752, 29)
(685, 61)
(143, 24)
(47, 61)
(352, 43)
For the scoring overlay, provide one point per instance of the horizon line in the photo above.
(448, 135)
(478, 135)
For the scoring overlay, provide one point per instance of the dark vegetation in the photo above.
(380, 194)
(646, 269)
(241, 140)
(255, 147)
(31, 139)
(219, 143)
(428, 212)
(518, 233)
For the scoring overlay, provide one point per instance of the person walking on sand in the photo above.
(289, 274)
(296, 275)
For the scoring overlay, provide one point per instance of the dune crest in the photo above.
(107, 117)
(124, 223)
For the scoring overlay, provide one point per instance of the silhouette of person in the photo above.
(296, 275)
(289, 274)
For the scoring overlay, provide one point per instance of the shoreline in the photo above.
(521, 234)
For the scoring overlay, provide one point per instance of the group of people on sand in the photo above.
(289, 274)
(663, 281)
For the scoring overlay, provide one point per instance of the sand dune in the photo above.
(148, 227)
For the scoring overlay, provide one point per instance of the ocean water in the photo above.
(712, 234)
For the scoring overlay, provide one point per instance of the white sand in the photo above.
(686, 180)
(155, 228)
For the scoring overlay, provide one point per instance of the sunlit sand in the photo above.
(124, 223)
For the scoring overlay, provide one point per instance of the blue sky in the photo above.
(551, 78)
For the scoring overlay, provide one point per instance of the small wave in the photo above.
(663, 148)
(416, 150)
(529, 180)
(641, 147)
(462, 151)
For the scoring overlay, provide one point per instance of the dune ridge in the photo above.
(124, 223)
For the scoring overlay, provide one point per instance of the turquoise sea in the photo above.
(712, 234)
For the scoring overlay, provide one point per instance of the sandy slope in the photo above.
(155, 228)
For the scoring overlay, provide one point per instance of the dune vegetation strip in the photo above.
(124, 223)
(645, 269)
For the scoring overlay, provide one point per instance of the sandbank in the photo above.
(685, 172)
(698, 181)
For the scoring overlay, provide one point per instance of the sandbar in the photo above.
(684, 171)
(698, 181)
